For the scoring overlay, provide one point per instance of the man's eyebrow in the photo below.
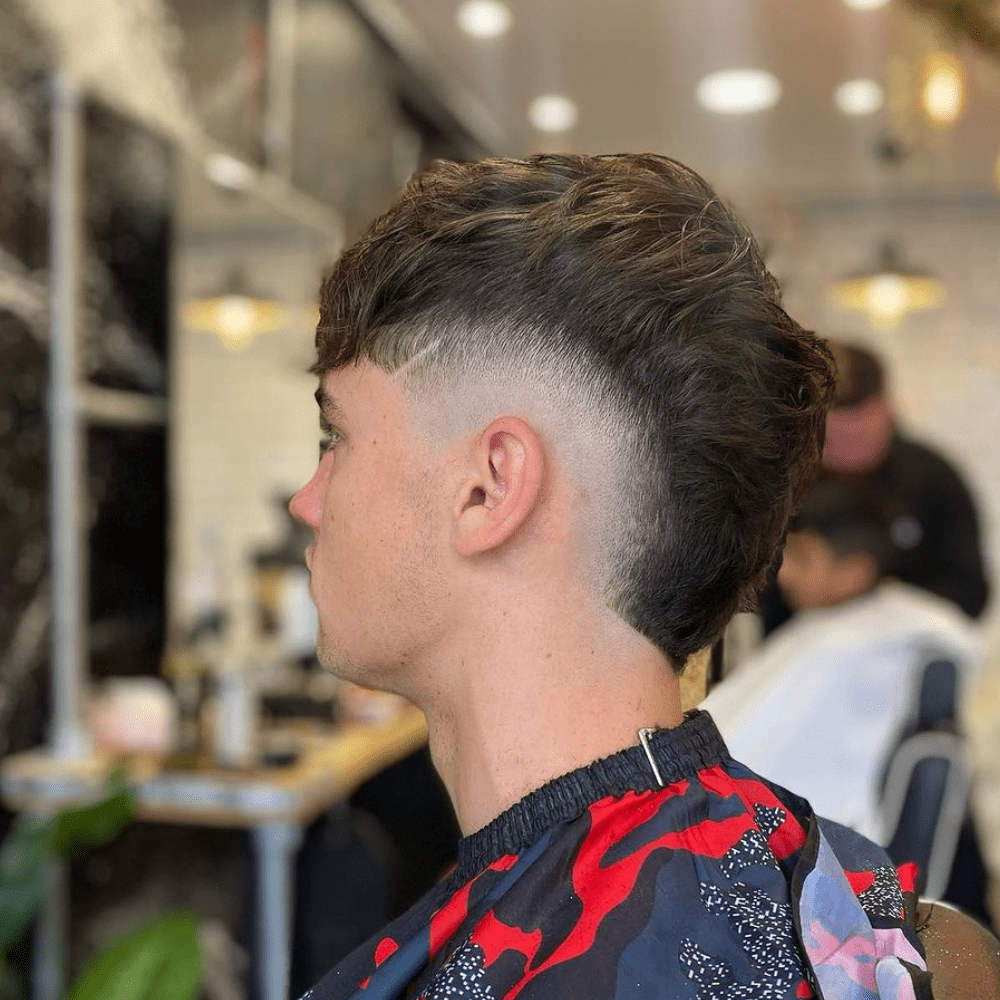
(329, 408)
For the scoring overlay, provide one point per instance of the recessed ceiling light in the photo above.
(859, 97)
(483, 18)
(552, 113)
(738, 91)
(865, 4)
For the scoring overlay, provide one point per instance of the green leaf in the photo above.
(28, 843)
(18, 906)
(23, 857)
(32, 841)
(180, 978)
(93, 825)
(161, 961)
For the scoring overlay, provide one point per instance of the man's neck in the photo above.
(521, 718)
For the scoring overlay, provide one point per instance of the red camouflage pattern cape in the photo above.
(605, 885)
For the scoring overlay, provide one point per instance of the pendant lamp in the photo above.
(887, 291)
(236, 315)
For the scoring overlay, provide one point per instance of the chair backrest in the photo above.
(937, 697)
(933, 706)
(924, 804)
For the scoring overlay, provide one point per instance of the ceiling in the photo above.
(632, 68)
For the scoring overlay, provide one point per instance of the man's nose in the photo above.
(304, 505)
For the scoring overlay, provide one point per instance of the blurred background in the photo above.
(175, 176)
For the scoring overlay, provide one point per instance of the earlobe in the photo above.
(502, 488)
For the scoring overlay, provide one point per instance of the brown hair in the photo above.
(627, 275)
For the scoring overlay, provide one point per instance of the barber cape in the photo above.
(819, 706)
(694, 879)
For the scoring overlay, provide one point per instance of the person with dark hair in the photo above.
(933, 518)
(566, 421)
(819, 706)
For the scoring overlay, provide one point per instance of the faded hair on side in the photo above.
(625, 278)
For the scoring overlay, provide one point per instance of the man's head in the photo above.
(839, 546)
(859, 428)
(615, 308)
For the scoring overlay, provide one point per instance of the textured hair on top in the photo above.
(626, 279)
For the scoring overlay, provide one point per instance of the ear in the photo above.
(502, 488)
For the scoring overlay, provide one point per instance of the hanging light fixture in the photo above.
(236, 316)
(942, 90)
(887, 292)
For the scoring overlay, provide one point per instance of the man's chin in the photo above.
(334, 660)
(373, 673)
(346, 668)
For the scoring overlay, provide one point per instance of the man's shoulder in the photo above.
(670, 891)
(893, 615)
(918, 460)
(932, 619)
(811, 645)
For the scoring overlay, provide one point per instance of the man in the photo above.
(819, 706)
(566, 423)
(934, 522)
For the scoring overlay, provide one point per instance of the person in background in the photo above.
(565, 423)
(820, 704)
(933, 518)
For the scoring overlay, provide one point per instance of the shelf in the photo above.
(119, 408)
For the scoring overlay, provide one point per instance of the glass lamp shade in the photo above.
(887, 292)
(236, 317)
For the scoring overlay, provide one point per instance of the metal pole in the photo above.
(275, 845)
(67, 489)
(279, 100)
(47, 979)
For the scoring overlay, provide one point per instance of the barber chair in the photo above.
(924, 779)
(937, 695)
(925, 796)
(925, 804)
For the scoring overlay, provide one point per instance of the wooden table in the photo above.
(275, 804)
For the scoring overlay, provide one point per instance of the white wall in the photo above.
(244, 430)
